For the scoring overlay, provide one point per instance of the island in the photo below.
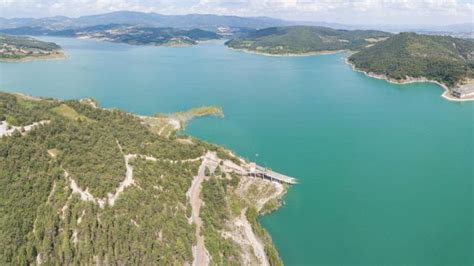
(83, 184)
(130, 34)
(304, 40)
(18, 48)
(411, 57)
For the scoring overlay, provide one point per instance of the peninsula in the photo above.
(18, 48)
(83, 184)
(410, 57)
(304, 40)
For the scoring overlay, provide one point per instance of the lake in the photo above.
(386, 171)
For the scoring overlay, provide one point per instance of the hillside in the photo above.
(305, 39)
(125, 34)
(444, 59)
(142, 19)
(20, 48)
(85, 185)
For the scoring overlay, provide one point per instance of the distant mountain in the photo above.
(461, 30)
(226, 25)
(462, 27)
(209, 22)
(49, 22)
(464, 30)
(444, 59)
(305, 39)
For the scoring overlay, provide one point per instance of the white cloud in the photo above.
(344, 11)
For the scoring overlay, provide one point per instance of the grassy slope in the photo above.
(441, 58)
(303, 39)
(69, 112)
(186, 116)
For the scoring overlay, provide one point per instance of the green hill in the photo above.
(93, 186)
(19, 47)
(442, 58)
(305, 39)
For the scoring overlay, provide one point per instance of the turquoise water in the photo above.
(386, 170)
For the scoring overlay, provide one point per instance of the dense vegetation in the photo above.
(214, 214)
(442, 58)
(42, 220)
(304, 39)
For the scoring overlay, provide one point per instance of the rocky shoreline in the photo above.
(446, 94)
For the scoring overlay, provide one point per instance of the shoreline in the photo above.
(446, 93)
(58, 55)
(172, 45)
(323, 52)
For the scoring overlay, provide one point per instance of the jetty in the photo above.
(252, 169)
(255, 170)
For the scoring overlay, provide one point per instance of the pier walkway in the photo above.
(251, 169)
(273, 176)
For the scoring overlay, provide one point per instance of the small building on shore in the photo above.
(252, 167)
(458, 93)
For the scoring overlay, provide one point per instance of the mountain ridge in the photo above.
(213, 21)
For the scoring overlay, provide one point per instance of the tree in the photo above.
(218, 171)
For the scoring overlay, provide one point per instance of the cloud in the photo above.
(344, 11)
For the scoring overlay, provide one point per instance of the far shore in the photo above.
(323, 52)
(58, 55)
(446, 94)
(170, 44)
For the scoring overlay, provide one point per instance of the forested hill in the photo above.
(17, 47)
(85, 185)
(305, 39)
(442, 58)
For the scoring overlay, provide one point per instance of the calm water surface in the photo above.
(386, 170)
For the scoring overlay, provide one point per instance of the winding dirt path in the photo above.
(257, 246)
(201, 255)
(127, 181)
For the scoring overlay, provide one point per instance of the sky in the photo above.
(356, 12)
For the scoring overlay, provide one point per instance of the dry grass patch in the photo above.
(70, 113)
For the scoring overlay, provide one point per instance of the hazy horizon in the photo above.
(355, 12)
